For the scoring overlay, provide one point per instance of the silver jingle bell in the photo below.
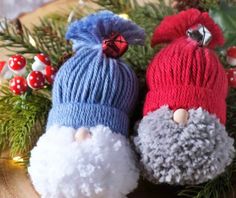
(200, 34)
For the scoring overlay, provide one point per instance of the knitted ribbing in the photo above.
(91, 88)
(186, 75)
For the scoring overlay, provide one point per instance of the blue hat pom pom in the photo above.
(92, 88)
(90, 31)
(84, 152)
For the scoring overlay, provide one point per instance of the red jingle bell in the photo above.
(115, 45)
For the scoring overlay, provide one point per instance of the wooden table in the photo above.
(14, 182)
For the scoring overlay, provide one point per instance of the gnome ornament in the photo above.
(85, 152)
(182, 138)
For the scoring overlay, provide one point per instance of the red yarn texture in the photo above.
(174, 27)
(183, 74)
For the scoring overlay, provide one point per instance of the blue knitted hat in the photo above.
(91, 88)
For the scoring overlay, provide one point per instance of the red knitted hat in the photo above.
(185, 74)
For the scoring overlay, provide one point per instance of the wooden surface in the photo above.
(33, 18)
(14, 182)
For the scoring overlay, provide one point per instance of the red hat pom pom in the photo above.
(176, 26)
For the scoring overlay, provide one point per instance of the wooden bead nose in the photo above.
(181, 116)
(82, 134)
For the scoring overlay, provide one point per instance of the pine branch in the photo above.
(22, 121)
(12, 40)
(118, 6)
(222, 185)
(48, 38)
(217, 188)
(203, 5)
(139, 57)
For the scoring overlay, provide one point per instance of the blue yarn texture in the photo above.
(91, 88)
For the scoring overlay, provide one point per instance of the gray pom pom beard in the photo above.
(176, 154)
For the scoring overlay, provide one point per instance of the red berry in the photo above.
(50, 73)
(2, 65)
(16, 63)
(231, 51)
(231, 56)
(18, 85)
(231, 74)
(43, 58)
(36, 80)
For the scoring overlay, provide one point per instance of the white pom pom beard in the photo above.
(100, 167)
(177, 154)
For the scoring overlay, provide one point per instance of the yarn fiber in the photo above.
(101, 167)
(97, 92)
(183, 74)
(183, 154)
(91, 88)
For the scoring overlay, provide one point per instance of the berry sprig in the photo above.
(20, 82)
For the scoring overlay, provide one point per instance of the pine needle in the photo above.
(23, 119)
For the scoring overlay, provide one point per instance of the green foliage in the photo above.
(118, 6)
(139, 57)
(202, 5)
(220, 187)
(48, 38)
(15, 38)
(231, 113)
(225, 16)
(207, 4)
(148, 17)
(22, 120)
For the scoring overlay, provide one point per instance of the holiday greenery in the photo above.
(23, 118)
(202, 5)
